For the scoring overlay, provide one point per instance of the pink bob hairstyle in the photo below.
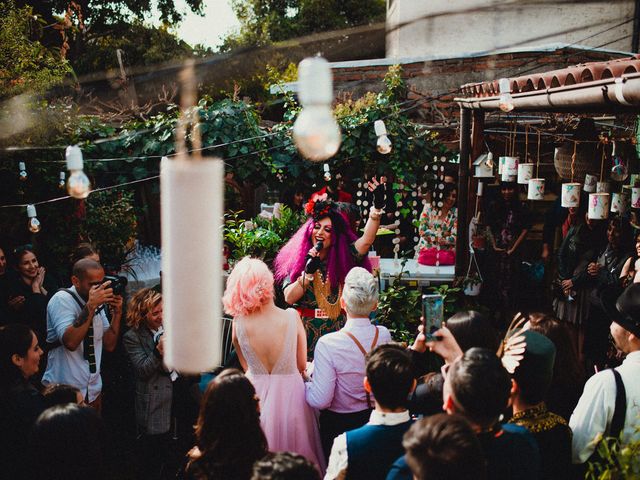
(249, 287)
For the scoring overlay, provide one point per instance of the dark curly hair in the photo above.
(228, 433)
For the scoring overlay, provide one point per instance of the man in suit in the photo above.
(369, 451)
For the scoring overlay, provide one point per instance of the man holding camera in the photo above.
(78, 328)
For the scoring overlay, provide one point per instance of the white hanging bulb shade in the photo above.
(34, 223)
(505, 103)
(78, 185)
(316, 132)
(383, 145)
(23, 171)
(327, 172)
(63, 180)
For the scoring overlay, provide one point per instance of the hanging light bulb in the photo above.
(619, 171)
(383, 144)
(315, 132)
(78, 185)
(63, 180)
(23, 171)
(327, 172)
(505, 103)
(489, 161)
(34, 223)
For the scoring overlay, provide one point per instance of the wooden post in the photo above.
(462, 242)
(477, 147)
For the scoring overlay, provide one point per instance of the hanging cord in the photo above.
(538, 158)
(526, 143)
(573, 160)
(473, 261)
(507, 144)
(189, 113)
(602, 162)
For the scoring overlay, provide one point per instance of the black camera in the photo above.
(118, 283)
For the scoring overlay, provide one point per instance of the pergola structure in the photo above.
(600, 87)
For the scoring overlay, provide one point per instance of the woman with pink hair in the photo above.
(272, 349)
(313, 264)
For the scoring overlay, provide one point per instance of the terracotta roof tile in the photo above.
(582, 73)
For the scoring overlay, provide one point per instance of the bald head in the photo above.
(81, 267)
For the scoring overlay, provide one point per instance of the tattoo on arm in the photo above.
(82, 317)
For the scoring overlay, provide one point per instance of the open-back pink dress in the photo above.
(287, 421)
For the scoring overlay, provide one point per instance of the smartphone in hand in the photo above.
(432, 315)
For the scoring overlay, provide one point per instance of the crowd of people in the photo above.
(317, 388)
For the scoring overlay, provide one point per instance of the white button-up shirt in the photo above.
(339, 367)
(592, 417)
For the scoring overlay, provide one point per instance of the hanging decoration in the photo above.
(590, 183)
(619, 171)
(327, 173)
(62, 180)
(22, 175)
(536, 185)
(78, 185)
(635, 197)
(525, 170)
(505, 102)
(316, 132)
(192, 202)
(619, 202)
(510, 168)
(599, 203)
(383, 145)
(34, 223)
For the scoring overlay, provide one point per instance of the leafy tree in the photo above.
(140, 43)
(25, 64)
(263, 22)
(91, 30)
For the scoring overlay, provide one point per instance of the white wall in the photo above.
(454, 27)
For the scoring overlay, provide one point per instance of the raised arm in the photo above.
(363, 244)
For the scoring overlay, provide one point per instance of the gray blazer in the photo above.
(154, 389)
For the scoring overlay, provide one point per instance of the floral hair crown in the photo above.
(318, 209)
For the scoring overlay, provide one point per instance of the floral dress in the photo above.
(316, 327)
(433, 228)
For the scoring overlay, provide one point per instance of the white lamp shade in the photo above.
(536, 189)
(570, 195)
(525, 173)
(599, 206)
(192, 244)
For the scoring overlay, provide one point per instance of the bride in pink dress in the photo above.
(272, 348)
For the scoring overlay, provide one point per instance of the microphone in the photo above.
(313, 263)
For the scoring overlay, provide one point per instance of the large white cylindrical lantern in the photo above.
(192, 244)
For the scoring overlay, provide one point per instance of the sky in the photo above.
(218, 20)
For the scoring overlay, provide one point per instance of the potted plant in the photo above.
(472, 284)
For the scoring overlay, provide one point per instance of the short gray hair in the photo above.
(360, 292)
